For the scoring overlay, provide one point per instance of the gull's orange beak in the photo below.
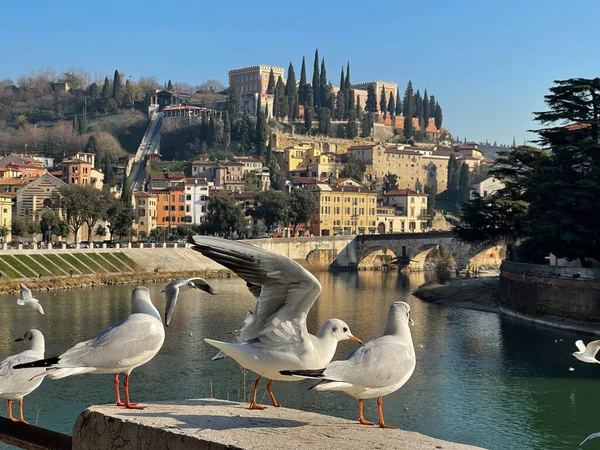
(357, 340)
(19, 340)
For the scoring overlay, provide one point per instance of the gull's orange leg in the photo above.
(10, 416)
(269, 384)
(255, 405)
(361, 418)
(119, 402)
(381, 422)
(128, 404)
(21, 419)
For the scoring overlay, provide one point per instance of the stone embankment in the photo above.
(219, 425)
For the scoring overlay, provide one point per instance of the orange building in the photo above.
(170, 209)
(76, 171)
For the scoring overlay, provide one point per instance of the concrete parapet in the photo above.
(216, 424)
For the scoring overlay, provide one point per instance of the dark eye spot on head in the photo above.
(30, 337)
(345, 329)
(334, 329)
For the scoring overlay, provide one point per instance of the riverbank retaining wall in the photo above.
(551, 290)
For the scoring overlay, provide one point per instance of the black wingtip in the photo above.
(303, 373)
(41, 363)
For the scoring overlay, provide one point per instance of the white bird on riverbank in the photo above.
(275, 337)
(376, 369)
(587, 354)
(132, 342)
(16, 384)
(172, 289)
(28, 300)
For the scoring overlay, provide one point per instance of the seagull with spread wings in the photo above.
(172, 289)
(587, 354)
(275, 337)
(27, 299)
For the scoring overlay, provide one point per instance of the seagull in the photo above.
(29, 300)
(240, 335)
(172, 289)
(275, 337)
(16, 384)
(132, 342)
(378, 368)
(591, 436)
(587, 354)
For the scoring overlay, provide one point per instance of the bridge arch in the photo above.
(376, 257)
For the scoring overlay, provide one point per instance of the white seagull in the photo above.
(587, 354)
(276, 337)
(133, 341)
(172, 289)
(29, 300)
(591, 436)
(240, 335)
(16, 384)
(378, 368)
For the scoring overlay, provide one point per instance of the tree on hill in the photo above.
(106, 90)
(211, 136)
(271, 85)
(409, 101)
(325, 99)
(425, 115)
(291, 93)
(316, 81)
(453, 180)
(366, 125)
(233, 105)
(432, 104)
(272, 207)
(371, 104)
(324, 121)
(170, 86)
(76, 124)
(262, 130)
(117, 92)
(342, 81)
(226, 130)
(351, 128)
(438, 117)
(350, 106)
(308, 110)
(463, 184)
(354, 168)
(418, 106)
(281, 100)
(383, 102)
(302, 84)
(340, 105)
(391, 106)
(390, 182)
(398, 104)
(302, 207)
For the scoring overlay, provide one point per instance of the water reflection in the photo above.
(480, 379)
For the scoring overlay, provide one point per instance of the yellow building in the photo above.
(402, 211)
(253, 79)
(343, 210)
(307, 160)
(294, 155)
(6, 214)
(145, 211)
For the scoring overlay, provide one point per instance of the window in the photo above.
(336, 210)
(165, 207)
(188, 197)
(141, 213)
(372, 211)
(362, 211)
(347, 211)
(166, 198)
(181, 208)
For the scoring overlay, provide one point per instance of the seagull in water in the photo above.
(378, 368)
(275, 337)
(587, 354)
(132, 342)
(27, 299)
(172, 289)
(16, 384)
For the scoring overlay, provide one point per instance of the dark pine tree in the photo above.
(340, 105)
(438, 116)
(391, 106)
(323, 91)
(83, 124)
(106, 91)
(261, 134)
(291, 92)
(309, 109)
(409, 101)
(350, 106)
(226, 130)
(169, 86)
(398, 104)
(426, 113)
(117, 92)
(282, 102)
(432, 107)
(347, 84)
(76, 124)
(271, 85)
(383, 102)
(463, 184)
(418, 105)
(453, 181)
(302, 84)
(316, 81)
(371, 105)
(342, 81)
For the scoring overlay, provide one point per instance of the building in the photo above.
(196, 199)
(180, 111)
(253, 79)
(343, 210)
(486, 187)
(161, 98)
(87, 157)
(169, 187)
(76, 171)
(6, 215)
(145, 211)
(19, 158)
(293, 156)
(402, 211)
(226, 175)
(96, 179)
(37, 196)
(379, 86)
(13, 185)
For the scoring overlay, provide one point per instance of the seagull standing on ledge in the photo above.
(27, 299)
(133, 341)
(378, 368)
(587, 354)
(172, 289)
(16, 384)
(275, 337)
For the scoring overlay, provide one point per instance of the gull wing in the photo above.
(592, 348)
(580, 346)
(12, 380)
(287, 290)
(25, 292)
(591, 436)
(171, 292)
(202, 284)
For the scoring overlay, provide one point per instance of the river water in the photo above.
(480, 379)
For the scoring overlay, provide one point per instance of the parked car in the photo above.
(84, 244)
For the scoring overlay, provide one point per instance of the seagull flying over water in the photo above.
(275, 337)
(29, 300)
(16, 384)
(128, 344)
(587, 354)
(172, 289)
(376, 369)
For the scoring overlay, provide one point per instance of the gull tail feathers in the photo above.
(20, 302)
(62, 372)
(218, 356)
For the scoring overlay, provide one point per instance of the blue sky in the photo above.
(489, 63)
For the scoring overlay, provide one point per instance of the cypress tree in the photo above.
(315, 81)
(308, 109)
(76, 124)
(169, 86)
(347, 84)
(426, 112)
(418, 105)
(271, 85)
(83, 123)
(302, 84)
(371, 105)
(107, 168)
(342, 81)
(262, 130)
(126, 194)
(409, 101)
(310, 99)
(226, 130)
(212, 132)
(105, 95)
(282, 102)
(453, 180)
(432, 107)
(383, 102)
(350, 106)
(398, 104)
(233, 105)
(117, 93)
(325, 100)
(340, 105)
(391, 107)
(358, 108)
(463, 184)
(438, 116)
(92, 145)
(291, 92)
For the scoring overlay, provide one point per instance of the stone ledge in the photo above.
(211, 424)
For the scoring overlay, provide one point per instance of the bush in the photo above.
(442, 272)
